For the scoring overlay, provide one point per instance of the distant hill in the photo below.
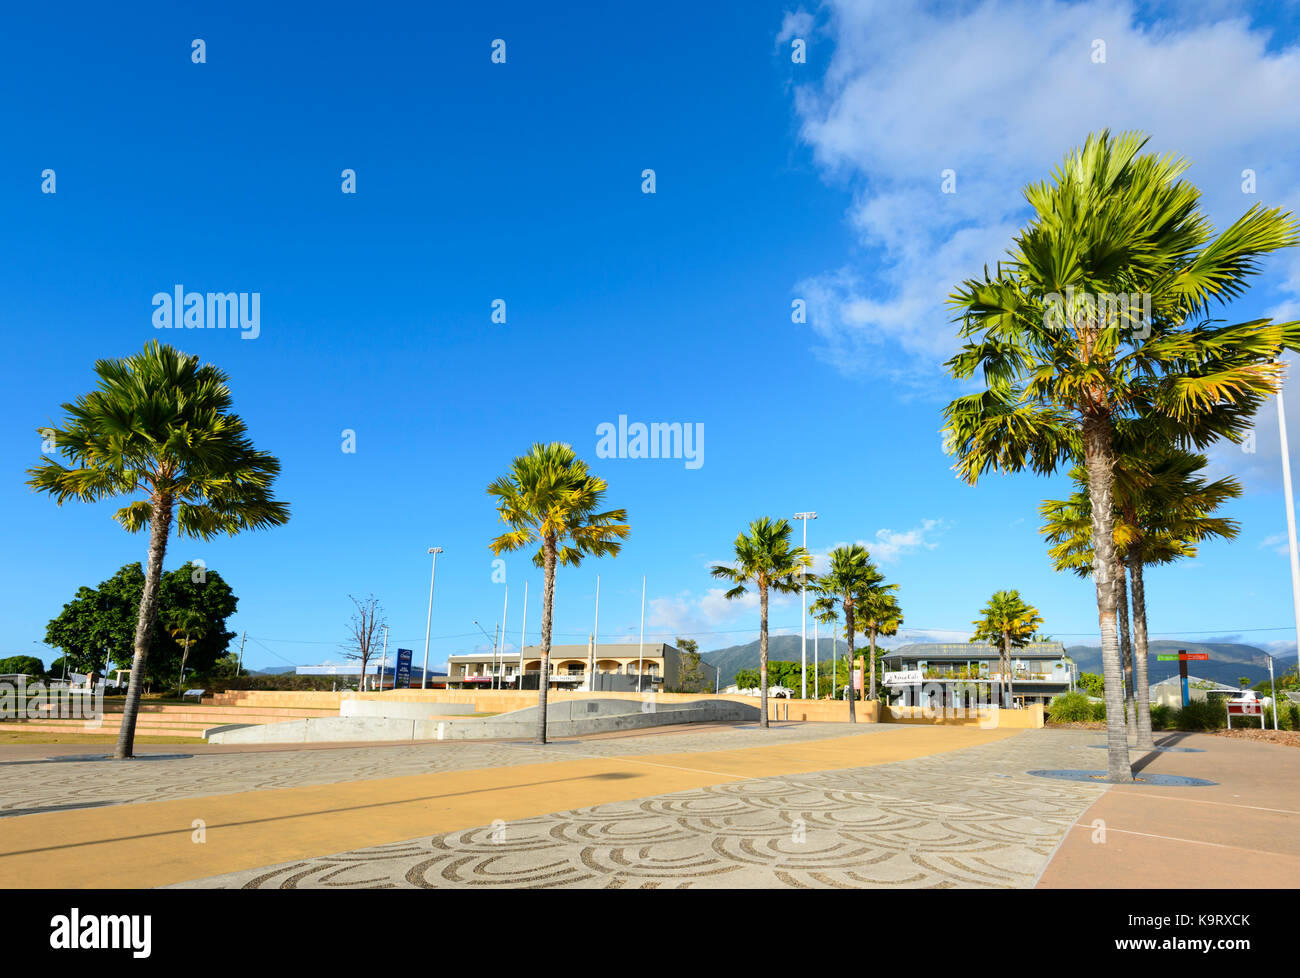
(273, 671)
(780, 648)
(1227, 662)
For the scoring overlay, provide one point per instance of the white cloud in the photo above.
(1277, 542)
(998, 91)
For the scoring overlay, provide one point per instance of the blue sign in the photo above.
(402, 678)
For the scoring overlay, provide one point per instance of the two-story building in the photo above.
(962, 674)
(616, 667)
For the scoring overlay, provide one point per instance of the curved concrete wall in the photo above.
(569, 719)
(402, 711)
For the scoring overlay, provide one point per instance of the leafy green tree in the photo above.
(1092, 684)
(95, 629)
(160, 424)
(1065, 365)
(551, 497)
(690, 672)
(851, 577)
(765, 559)
(25, 664)
(1006, 622)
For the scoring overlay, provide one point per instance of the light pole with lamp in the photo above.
(803, 621)
(428, 621)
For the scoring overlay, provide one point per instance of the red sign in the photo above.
(1194, 656)
(1250, 708)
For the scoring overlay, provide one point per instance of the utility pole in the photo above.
(240, 665)
(523, 631)
(384, 662)
(496, 684)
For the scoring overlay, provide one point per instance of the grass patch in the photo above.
(36, 737)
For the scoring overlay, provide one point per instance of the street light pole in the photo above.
(803, 620)
(384, 662)
(428, 621)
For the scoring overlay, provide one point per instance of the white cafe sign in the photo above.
(904, 678)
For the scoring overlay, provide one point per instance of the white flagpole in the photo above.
(523, 630)
(496, 681)
(816, 646)
(595, 637)
(640, 652)
(1290, 518)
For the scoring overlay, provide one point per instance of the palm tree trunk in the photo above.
(872, 636)
(185, 654)
(848, 617)
(1141, 685)
(160, 524)
(548, 598)
(762, 652)
(1125, 641)
(1099, 459)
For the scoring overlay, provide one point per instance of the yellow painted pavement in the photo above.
(152, 843)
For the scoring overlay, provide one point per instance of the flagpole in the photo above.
(640, 652)
(1290, 519)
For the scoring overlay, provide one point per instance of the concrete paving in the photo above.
(799, 805)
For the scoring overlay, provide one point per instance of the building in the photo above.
(617, 667)
(960, 674)
(380, 673)
(1169, 692)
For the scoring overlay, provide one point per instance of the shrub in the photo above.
(1162, 716)
(1200, 715)
(1099, 712)
(1069, 708)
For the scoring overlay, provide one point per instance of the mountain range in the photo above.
(1227, 663)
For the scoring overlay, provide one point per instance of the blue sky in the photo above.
(522, 181)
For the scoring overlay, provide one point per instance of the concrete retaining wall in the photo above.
(402, 711)
(571, 719)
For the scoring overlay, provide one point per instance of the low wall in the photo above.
(569, 719)
(1030, 718)
(402, 711)
(509, 700)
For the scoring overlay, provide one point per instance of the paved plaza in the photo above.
(727, 805)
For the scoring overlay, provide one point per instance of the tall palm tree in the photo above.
(765, 559)
(851, 576)
(160, 424)
(551, 497)
(186, 626)
(878, 614)
(1063, 364)
(1164, 506)
(1007, 622)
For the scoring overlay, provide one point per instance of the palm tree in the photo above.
(1163, 508)
(878, 614)
(765, 558)
(1064, 364)
(186, 626)
(1006, 622)
(159, 423)
(551, 497)
(851, 577)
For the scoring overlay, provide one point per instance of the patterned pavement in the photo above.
(28, 787)
(964, 818)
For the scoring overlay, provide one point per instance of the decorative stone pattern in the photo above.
(965, 818)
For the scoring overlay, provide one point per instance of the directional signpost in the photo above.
(1182, 658)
